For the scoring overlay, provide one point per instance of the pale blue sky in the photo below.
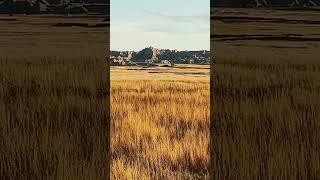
(168, 24)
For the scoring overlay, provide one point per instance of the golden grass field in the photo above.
(266, 120)
(160, 122)
(53, 115)
(266, 94)
(53, 100)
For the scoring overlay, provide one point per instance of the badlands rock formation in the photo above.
(151, 55)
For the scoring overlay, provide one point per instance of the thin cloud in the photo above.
(134, 27)
(159, 30)
(178, 18)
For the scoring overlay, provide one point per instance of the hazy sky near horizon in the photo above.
(167, 24)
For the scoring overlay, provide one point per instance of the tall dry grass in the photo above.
(265, 119)
(53, 118)
(160, 129)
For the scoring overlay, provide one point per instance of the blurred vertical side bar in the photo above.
(211, 141)
(108, 100)
(212, 144)
(265, 89)
(54, 89)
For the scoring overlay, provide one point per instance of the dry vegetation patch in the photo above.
(160, 128)
(52, 113)
(266, 119)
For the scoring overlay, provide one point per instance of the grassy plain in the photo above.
(53, 109)
(266, 93)
(160, 122)
(40, 35)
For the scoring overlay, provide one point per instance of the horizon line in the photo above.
(162, 49)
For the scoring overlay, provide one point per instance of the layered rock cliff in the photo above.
(153, 55)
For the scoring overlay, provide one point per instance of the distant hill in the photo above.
(264, 3)
(153, 55)
(55, 7)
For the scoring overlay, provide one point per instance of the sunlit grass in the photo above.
(266, 119)
(52, 118)
(160, 127)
